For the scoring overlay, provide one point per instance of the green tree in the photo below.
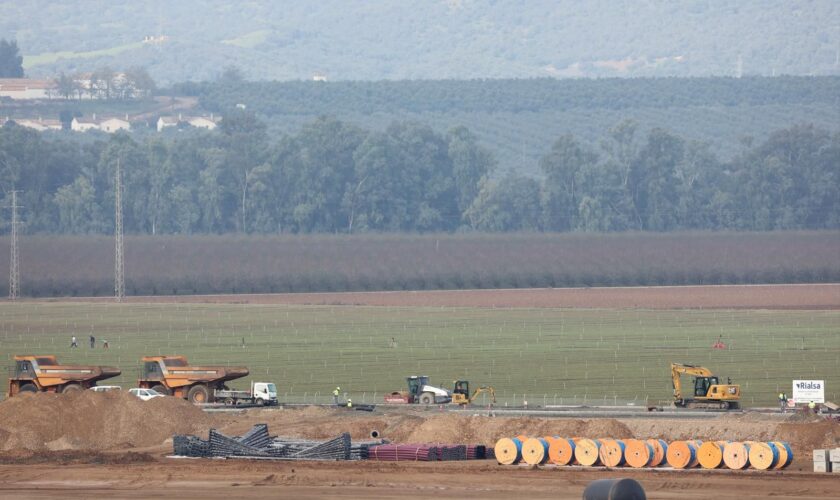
(78, 211)
(510, 204)
(563, 167)
(652, 181)
(471, 164)
(11, 62)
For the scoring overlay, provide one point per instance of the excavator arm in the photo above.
(487, 389)
(678, 369)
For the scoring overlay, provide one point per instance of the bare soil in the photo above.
(129, 460)
(808, 296)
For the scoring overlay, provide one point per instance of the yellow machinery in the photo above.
(43, 373)
(708, 391)
(461, 393)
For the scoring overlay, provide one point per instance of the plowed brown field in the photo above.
(810, 296)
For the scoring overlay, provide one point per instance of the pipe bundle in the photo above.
(639, 453)
(425, 452)
(257, 443)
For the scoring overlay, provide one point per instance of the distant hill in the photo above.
(463, 39)
(519, 119)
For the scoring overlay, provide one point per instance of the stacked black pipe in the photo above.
(257, 443)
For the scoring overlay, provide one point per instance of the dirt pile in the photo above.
(418, 428)
(487, 430)
(94, 421)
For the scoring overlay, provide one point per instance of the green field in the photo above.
(31, 61)
(541, 355)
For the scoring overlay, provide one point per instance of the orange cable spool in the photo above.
(611, 452)
(736, 455)
(785, 454)
(508, 451)
(660, 449)
(586, 452)
(638, 453)
(535, 451)
(561, 451)
(681, 455)
(764, 456)
(710, 455)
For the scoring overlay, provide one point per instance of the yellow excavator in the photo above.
(709, 393)
(461, 393)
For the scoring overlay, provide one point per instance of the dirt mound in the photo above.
(73, 457)
(487, 430)
(94, 421)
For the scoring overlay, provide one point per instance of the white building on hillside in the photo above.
(203, 122)
(40, 124)
(84, 124)
(167, 121)
(112, 125)
(27, 88)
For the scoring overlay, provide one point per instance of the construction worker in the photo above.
(812, 407)
(782, 402)
(73, 342)
(104, 344)
(92, 341)
(336, 392)
(349, 403)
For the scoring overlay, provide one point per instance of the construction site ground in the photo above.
(114, 446)
(111, 445)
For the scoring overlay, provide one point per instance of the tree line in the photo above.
(335, 177)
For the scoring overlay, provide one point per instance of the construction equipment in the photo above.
(261, 393)
(709, 393)
(173, 376)
(419, 391)
(43, 373)
(461, 393)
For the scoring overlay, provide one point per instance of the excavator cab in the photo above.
(461, 387)
(461, 392)
(702, 385)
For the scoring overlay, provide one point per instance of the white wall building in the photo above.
(83, 124)
(27, 88)
(112, 125)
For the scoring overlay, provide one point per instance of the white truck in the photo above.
(261, 393)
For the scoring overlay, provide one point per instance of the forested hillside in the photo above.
(519, 119)
(334, 177)
(358, 40)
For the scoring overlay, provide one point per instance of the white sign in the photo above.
(805, 391)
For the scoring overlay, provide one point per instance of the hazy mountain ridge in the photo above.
(445, 39)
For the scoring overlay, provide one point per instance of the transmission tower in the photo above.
(14, 265)
(119, 261)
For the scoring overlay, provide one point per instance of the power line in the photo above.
(119, 262)
(14, 265)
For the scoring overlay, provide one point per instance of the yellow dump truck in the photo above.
(43, 373)
(173, 376)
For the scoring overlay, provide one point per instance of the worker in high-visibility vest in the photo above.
(812, 406)
(336, 392)
(782, 401)
(349, 403)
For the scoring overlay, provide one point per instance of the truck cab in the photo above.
(266, 392)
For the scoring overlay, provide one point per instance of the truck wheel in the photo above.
(229, 402)
(198, 394)
(427, 399)
(28, 388)
(161, 389)
(71, 389)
